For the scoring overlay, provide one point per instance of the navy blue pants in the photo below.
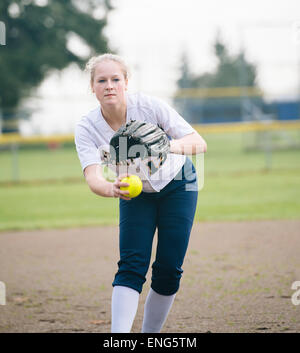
(172, 212)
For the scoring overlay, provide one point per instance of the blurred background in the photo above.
(231, 69)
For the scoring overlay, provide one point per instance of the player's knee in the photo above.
(165, 279)
(131, 274)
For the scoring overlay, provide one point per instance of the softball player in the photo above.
(167, 203)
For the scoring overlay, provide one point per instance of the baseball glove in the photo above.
(138, 139)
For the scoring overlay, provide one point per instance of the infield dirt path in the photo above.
(237, 278)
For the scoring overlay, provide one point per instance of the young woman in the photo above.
(167, 202)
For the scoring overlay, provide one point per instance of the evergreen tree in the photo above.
(186, 78)
(231, 71)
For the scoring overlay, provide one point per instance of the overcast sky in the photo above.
(153, 34)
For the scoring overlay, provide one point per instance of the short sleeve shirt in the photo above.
(93, 134)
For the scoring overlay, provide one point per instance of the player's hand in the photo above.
(116, 188)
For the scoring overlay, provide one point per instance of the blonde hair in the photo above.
(95, 60)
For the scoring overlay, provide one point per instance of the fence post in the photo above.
(15, 162)
(268, 149)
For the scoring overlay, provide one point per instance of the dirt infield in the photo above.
(237, 278)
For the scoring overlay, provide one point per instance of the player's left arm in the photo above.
(185, 139)
(189, 144)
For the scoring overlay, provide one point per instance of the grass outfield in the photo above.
(236, 187)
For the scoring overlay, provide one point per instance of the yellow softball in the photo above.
(135, 185)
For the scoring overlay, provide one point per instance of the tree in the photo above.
(186, 77)
(231, 71)
(217, 105)
(37, 35)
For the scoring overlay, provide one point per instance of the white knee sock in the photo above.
(124, 306)
(156, 310)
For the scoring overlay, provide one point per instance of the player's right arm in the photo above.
(100, 186)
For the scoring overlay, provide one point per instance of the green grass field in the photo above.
(53, 194)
